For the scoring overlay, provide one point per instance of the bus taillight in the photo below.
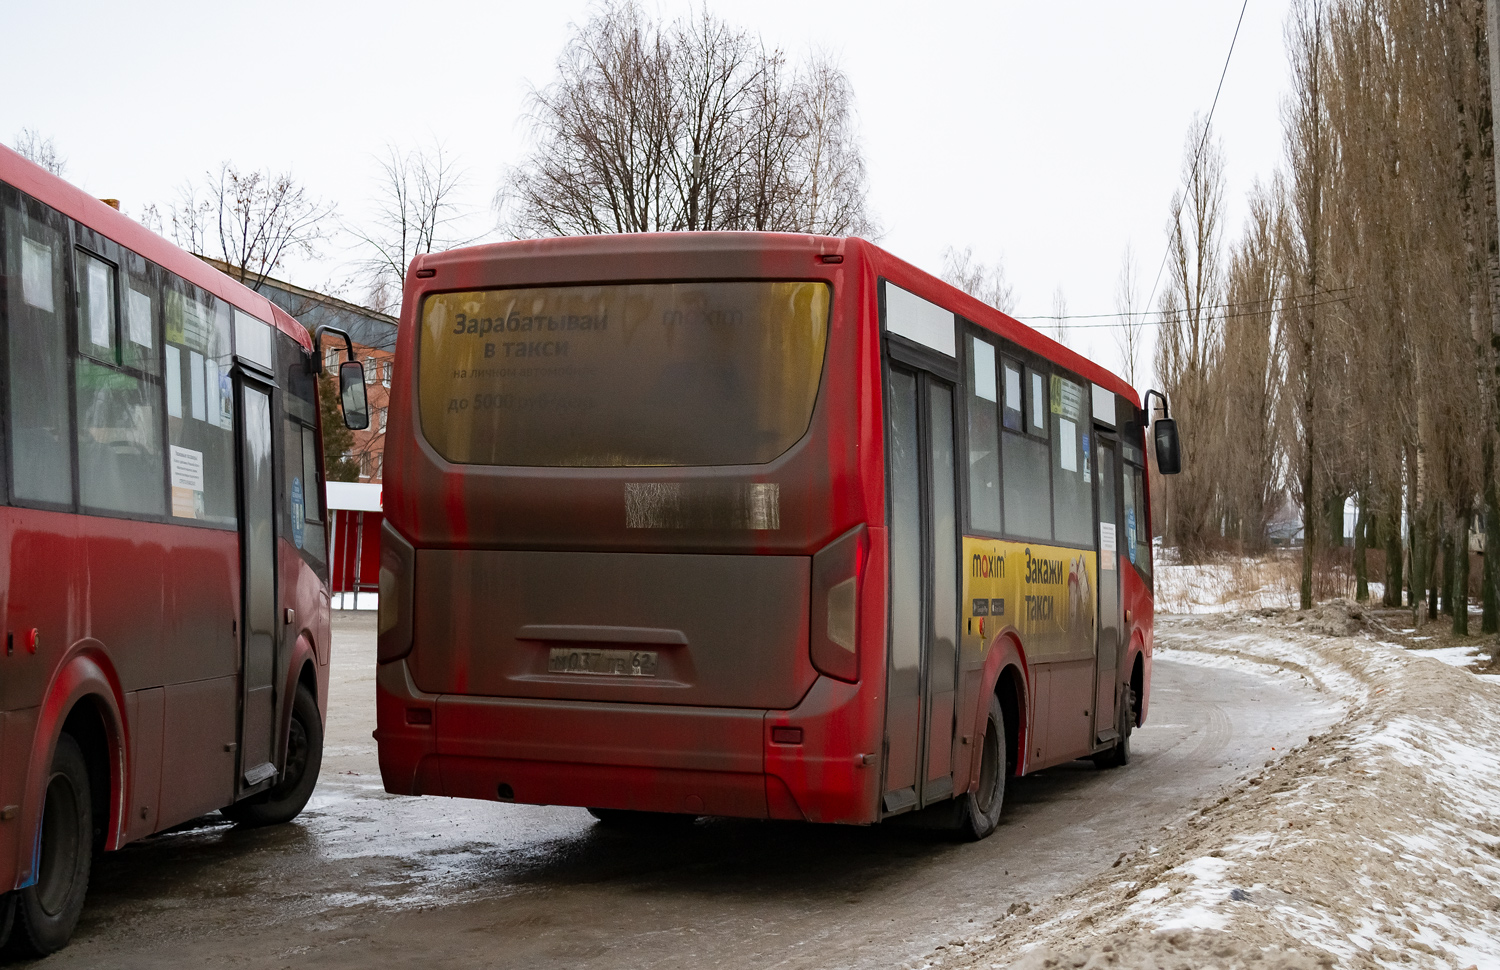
(835, 605)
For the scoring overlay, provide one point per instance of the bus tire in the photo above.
(1118, 756)
(46, 911)
(7, 917)
(304, 759)
(625, 818)
(979, 810)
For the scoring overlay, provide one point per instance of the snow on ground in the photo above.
(1375, 844)
(1235, 583)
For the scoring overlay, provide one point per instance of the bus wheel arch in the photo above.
(1138, 687)
(1010, 690)
(78, 770)
(84, 697)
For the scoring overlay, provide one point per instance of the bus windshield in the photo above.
(639, 374)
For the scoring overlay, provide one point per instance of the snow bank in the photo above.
(1376, 844)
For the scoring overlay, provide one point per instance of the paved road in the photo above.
(364, 879)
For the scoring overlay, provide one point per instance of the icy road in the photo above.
(364, 879)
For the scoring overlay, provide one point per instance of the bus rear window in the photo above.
(638, 374)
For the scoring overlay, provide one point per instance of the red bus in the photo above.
(165, 582)
(759, 525)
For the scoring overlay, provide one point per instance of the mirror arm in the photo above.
(317, 339)
(1146, 404)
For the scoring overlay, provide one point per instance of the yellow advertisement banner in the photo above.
(1047, 593)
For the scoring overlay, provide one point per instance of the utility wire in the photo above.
(1164, 320)
(1207, 306)
(1207, 128)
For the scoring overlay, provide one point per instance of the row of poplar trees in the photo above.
(1344, 346)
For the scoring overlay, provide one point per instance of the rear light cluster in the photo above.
(836, 572)
(398, 562)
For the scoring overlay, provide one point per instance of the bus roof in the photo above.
(78, 205)
(610, 257)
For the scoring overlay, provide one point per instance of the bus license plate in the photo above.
(610, 663)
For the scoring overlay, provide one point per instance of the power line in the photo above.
(1163, 321)
(1207, 128)
(1210, 306)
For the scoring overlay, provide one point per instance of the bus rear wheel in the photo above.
(7, 917)
(979, 810)
(304, 759)
(46, 911)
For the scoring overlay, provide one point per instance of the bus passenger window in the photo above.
(1028, 494)
(984, 442)
(1072, 473)
(1142, 557)
(40, 432)
(1012, 408)
(119, 407)
(200, 406)
(98, 310)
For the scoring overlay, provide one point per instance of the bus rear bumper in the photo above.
(647, 757)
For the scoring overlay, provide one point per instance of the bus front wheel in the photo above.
(46, 911)
(1118, 756)
(304, 759)
(979, 810)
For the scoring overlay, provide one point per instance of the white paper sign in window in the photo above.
(174, 381)
(36, 274)
(252, 339)
(186, 475)
(195, 383)
(1104, 405)
(984, 369)
(1067, 444)
(919, 320)
(1107, 545)
(101, 302)
(140, 320)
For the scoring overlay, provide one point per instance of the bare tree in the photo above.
(252, 221)
(1189, 342)
(1131, 336)
(984, 282)
(1060, 315)
(689, 125)
(1251, 370)
(30, 144)
(416, 212)
(834, 187)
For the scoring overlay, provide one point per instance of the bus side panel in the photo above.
(200, 649)
(1137, 632)
(9, 784)
(20, 727)
(126, 564)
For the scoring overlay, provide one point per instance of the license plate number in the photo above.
(609, 663)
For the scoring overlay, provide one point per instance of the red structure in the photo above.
(162, 533)
(354, 519)
(763, 525)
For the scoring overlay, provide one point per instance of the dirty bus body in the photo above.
(678, 523)
(165, 590)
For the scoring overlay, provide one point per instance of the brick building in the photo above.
(374, 337)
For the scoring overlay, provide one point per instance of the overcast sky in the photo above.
(1047, 135)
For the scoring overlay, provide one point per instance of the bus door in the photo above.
(258, 585)
(922, 674)
(1108, 537)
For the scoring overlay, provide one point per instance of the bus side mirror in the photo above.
(352, 395)
(1168, 447)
